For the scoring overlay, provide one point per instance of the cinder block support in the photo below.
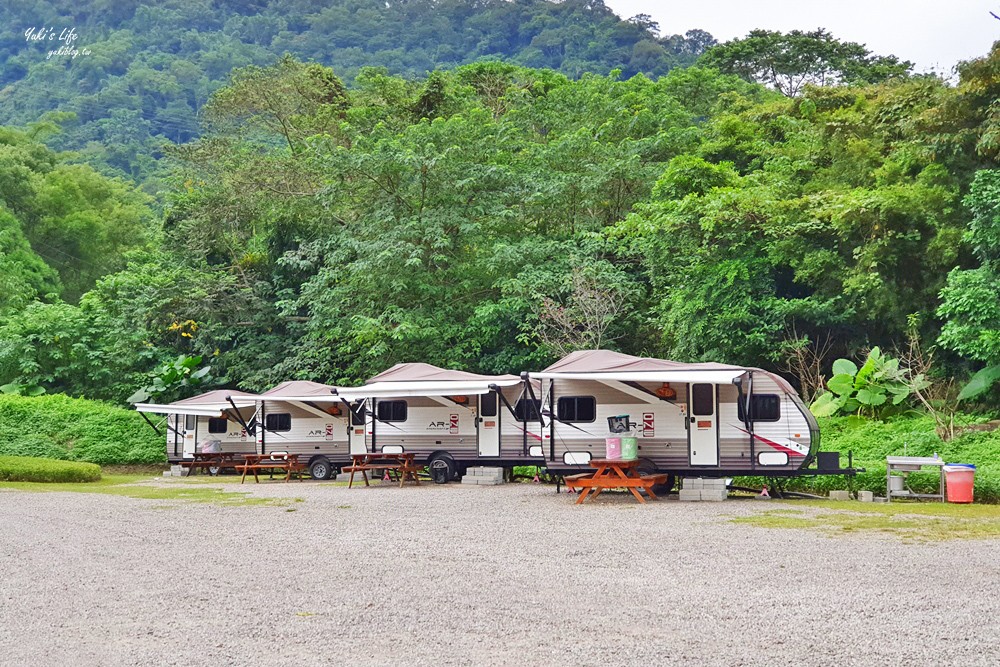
(689, 495)
(840, 495)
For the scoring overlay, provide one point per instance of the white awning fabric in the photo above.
(201, 410)
(405, 389)
(683, 376)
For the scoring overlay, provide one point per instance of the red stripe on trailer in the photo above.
(772, 443)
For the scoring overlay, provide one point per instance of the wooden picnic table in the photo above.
(209, 460)
(274, 461)
(400, 462)
(613, 474)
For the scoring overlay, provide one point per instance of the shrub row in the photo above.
(28, 469)
(76, 429)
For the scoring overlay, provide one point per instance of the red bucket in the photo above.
(960, 479)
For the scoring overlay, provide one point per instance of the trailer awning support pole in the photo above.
(510, 409)
(151, 424)
(239, 417)
(746, 413)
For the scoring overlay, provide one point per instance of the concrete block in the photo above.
(840, 495)
(713, 484)
(167, 473)
(866, 496)
(470, 480)
(689, 495)
(693, 483)
(714, 495)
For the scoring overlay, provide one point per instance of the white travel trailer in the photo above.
(691, 419)
(449, 419)
(224, 415)
(306, 418)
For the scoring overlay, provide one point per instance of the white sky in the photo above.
(933, 34)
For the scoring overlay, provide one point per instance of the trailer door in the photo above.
(703, 425)
(357, 429)
(489, 425)
(190, 432)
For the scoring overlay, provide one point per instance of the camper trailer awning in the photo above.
(405, 389)
(202, 410)
(682, 376)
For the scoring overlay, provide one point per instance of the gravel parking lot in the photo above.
(440, 575)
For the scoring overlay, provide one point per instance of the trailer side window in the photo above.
(218, 424)
(577, 408)
(526, 409)
(358, 415)
(763, 408)
(278, 421)
(392, 411)
(190, 421)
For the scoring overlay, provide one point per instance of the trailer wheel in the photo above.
(320, 468)
(665, 489)
(442, 468)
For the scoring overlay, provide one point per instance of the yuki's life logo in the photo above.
(60, 43)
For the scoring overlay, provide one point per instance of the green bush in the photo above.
(28, 469)
(76, 429)
(872, 441)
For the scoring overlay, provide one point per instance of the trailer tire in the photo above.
(320, 468)
(442, 468)
(665, 489)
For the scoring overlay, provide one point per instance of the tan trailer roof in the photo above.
(615, 366)
(420, 372)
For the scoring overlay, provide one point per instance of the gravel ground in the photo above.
(441, 575)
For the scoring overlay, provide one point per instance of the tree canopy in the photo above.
(790, 61)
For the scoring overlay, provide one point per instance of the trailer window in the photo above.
(279, 421)
(358, 415)
(190, 421)
(577, 408)
(392, 411)
(488, 405)
(526, 409)
(763, 408)
(703, 399)
(218, 424)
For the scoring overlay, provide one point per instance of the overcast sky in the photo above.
(933, 34)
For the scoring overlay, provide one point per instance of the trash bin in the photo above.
(613, 448)
(630, 448)
(959, 480)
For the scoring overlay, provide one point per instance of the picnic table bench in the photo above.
(401, 463)
(273, 461)
(613, 474)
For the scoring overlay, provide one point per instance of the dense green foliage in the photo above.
(59, 427)
(28, 469)
(152, 65)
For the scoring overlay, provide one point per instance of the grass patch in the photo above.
(29, 469)
(923, 522)
(126, 485)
